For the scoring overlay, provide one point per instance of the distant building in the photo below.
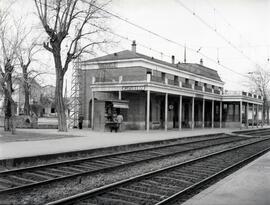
(154, 94)
(48, 90)
(41, 98)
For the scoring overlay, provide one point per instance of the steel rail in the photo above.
(66, 162)
(101, 190)
(204, 182)
(39, 183)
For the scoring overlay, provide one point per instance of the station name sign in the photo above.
(133, 88)
(107, 65)
(198, 95)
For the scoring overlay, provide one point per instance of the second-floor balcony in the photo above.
(197, 87)
(216, 91)
(157, 79)
(242, 93)
(209, 90)
(152, 79)
(186, 85)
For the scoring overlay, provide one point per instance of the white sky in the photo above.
(245, 23)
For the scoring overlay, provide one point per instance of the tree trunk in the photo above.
(9, 104)
(7, 113)
(26, 99)
(60, 106)
(59, 100)
(12, 118)
(26, 89)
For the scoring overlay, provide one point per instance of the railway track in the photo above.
(25, 178)
(174, 184)
(256, 133)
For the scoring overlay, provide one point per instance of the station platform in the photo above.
(33, 142)
(249, 185)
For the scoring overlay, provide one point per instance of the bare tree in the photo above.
(25, 52)
(260, 80)
(9, 43)
(73, 27)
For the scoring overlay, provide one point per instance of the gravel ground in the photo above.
(73, 186)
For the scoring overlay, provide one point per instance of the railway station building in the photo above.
(154, 94)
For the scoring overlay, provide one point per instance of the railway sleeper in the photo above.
(58, 171)
(131, 192)
(105, 163)
(81, 167)
(72, 169)
(21, 180)
(96, 165)
(47, 173)
(174, 178)
(129, 198)
(161, 190)
(189, 177)
(37, 176)
(9, 184)
(150, 183)
(112, 201)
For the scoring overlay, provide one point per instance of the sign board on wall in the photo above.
(198, 95)
(107, 65)
(125, 88)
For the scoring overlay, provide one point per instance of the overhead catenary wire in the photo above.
(167, 39)
(241, 36)
(161, 37)
(119, 35)
(217, 12)
(216, 31)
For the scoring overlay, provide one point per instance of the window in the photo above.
(52, 110)
(163, 76)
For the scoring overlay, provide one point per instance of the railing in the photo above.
(106, 79)
(197, 87)
(209, 90)
(157, 79)
(170, 82)
(232, 92)
(216, 91)
(134, 78)
(176, 82)
(186, 85)
(229, 92)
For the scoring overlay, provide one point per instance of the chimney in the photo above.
(133, 47)
(185, 54)
(201, 61)
(173, 59)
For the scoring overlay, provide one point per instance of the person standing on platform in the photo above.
(80, 122)
(119, 121)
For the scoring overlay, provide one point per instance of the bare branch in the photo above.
(47, 47)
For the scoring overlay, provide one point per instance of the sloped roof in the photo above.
(189, 67)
